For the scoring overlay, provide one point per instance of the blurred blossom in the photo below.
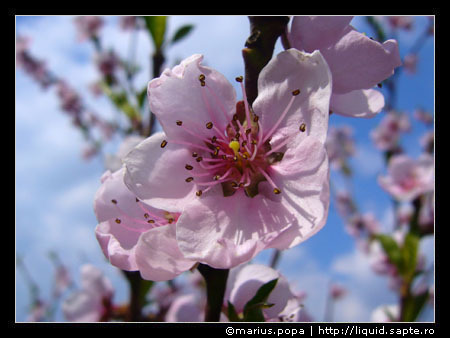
(359, 225)
(128, 22)
(408, 178)
(340, 145)
(386, 313)
(427, 141)
(89, 152)
(357, 63)
(107, 63)
(62, 280)
(426, 213)
(410, 63)
(400, 22)
(69, 100)
(33, 67)
(387, 134)
(186, 308)
(96, 89)
(93, 301)
(337, 291)
(88, 26)
(424, 116)
(344, 203)
(245, 280)
(113, 162)
(38, 311)
(404, 213)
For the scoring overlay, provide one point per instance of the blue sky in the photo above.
(55, 186)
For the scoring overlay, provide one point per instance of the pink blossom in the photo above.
(246, 180)
(357, 62)
(387, 134)
(62, 280)
(423, 116)
(186, 308)
(70, 101)
(91, 302)
(135, 236)
(344, 203)
(88, 26)
(243, 283)
(408, 178)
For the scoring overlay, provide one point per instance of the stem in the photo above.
(264, 32)
(275, 258)
(216, 282)
(134, 310)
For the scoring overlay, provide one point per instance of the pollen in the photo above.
(234, 145)
(302, 127)
(209, 125)
(276, 191)
(163, 143)
(118, 221)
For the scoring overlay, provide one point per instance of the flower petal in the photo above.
(158, 256)
(357, 103)
(309, 33)
(358, 62)
(177, 95)
(224, 232)
(157, 175)
(288, 71)
(303, 178)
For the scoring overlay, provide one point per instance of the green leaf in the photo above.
(409, 253)
(181, 33)
(141, 97)
(391, 249)
(156, 25)
(413, 306)
(253, 308)
(144, 288)
(232, 314)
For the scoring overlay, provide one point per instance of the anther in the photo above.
(151, 221)
(224, 157)
(202, 77)
(216, 152)
(296, 92)
(244, 143)
(189, 167)
(163, 143)
(244, 156)
(179, 123)
(255, 118)
(209, 125)
(113, 201)
(239, 78)
(302, 127)
(170, 220)
(146, 215)
(248, 131)
(118, 221)
(189, 179)
(237, 136)
(277, 191)
(235, 158)
(235, 117)
(216, 178)
(241, 185)
(199, 193)
(199, 159)
(214, 139)
(379, 85)
(194, 154)
(234, 184)
(253, 142)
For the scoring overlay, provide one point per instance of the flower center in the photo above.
(238, 157)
